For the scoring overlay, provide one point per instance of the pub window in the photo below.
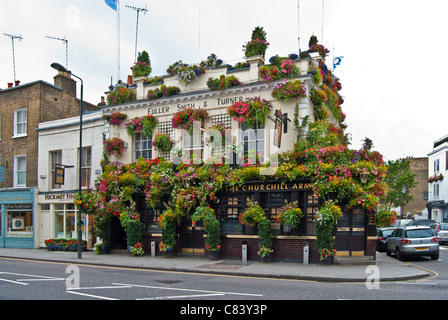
(150, 220)
(55, 159)
(142, 147)
(312, 206)
(253, 140)
(193, 144)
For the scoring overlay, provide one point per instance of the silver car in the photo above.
(442, 232)
(413, 241)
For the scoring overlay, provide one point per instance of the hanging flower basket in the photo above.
(114, 146)
(185, 118)
(250, 111)
(115, 118)
(162, 142)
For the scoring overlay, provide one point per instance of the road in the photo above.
(33, 280)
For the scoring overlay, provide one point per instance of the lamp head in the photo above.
(58, 67)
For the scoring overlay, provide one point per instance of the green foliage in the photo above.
(211, 226)
(399, 175)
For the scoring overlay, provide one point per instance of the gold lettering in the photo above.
(294, 186)
(251, 188)
(300, 185)
(262, 187)
(257, 187)
(268, 187)
(243, 188)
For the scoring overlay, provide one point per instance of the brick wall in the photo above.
(43, 102)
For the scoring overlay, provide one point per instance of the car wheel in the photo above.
(398, 255)
(435, 257)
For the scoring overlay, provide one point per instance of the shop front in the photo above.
(17, 219)
(59, 218)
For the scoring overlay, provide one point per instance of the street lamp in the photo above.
(59, 67)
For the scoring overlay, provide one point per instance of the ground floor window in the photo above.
(66, 221)
(19, 222)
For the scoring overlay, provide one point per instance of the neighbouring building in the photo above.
(416, 209)
(22, 108)
(438, 186)
(58, 174)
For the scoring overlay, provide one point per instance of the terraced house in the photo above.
(249, 159)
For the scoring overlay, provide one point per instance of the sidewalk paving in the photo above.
(390, 269)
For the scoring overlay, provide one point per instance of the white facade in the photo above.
(59, 145)
(438, 181)
(197, 95)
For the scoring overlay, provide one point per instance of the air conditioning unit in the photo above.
(18, 224)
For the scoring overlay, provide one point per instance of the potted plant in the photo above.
(290, 213)
(143, 65)
(185, 118)
(114, 146)
(250, 111)
(255, 215)
(212, 227)
(115, 118)
(167, 221)
(288, 90)
(137, 249)
(162, 142)
(326, 218)
(257, 45)
(121, 94)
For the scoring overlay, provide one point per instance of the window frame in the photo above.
(16, 171)
(24, 132)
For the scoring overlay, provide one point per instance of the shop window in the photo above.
(142, 146)
(86, 166)
(19, 220)
(55, 159)
(20, 171)
(66, 221)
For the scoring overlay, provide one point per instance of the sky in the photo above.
(393, 73)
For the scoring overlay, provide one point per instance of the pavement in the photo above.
(388, 268)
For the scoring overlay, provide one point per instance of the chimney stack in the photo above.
(64, 81)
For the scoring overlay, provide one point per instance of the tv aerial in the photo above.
(144, 10)
(66, 48)
(13, 37)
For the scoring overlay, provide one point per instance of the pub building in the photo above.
(355, 231)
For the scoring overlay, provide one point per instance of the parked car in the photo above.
(401, 222)
(413, 241)
(382, 235)
(442, 232)
(421, 222)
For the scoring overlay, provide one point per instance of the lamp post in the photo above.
(59, 67)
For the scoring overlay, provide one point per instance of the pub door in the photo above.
(117, 235)
(192, 237)
(350, 237)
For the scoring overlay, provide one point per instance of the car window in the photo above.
(387, 232)
(444, 227)
(396, 233)
(419, 233)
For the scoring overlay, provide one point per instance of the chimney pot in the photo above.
(10, 84)
(17, 82)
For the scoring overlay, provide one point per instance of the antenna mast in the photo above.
(298, 23)
(13, 56)
(144, 10)
(66, 48)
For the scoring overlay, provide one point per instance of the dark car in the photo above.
(421, 222)
(382, 235)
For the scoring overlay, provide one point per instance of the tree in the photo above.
(399, 177)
